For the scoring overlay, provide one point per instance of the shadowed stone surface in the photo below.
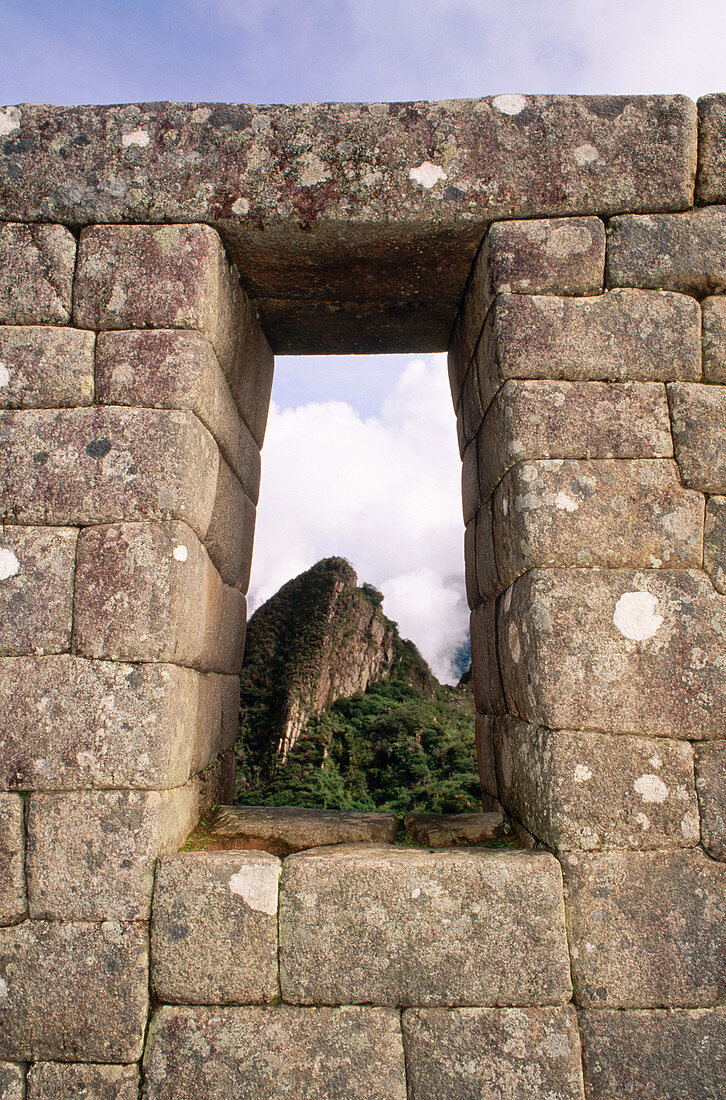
(36, 273)
(646, 929)
(83, 466)
(714, 542)
(282, 829)
(309, 1054)
(214, 928)
(684, 252)
(604, 512)
(91, 854)
(75, 991)
(654, 1055)
(36, 589)
(231, 530)
(711, 787)
(487, 1054)
(43, 367)
(12, 1081)
(177, 370)
(714, 339)
(543, 419)
(70, 723)
(485, 675)
(487, 575)
(403, 926)
(454, 830)
(591, 790)
(48, 1080)
(470, 482)
(699, 432)
(484, 734)
(13, 903)
(638, 651)
(149, 592)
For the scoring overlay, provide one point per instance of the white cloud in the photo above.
(383, 492)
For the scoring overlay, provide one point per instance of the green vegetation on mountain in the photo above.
(339, 712)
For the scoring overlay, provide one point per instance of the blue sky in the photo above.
(360, 456)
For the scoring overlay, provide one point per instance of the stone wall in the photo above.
(568, 247)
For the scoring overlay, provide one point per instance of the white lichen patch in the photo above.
(582, 773)
(136, 137)
(515, 645)
(313, 171)
(9, 121)
(257, 887)
(9, 564)
(427, 174)
(416, 893)
(585, 154)
(180, 552)
(509, 104)
(651, 788)
(565, 503)
(568, 240)
(4, 376)
(691, 826)
(643, 820)
(200, 114)
(4, 988)
(241, 206)
(636, 616)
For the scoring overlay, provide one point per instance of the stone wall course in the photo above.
(680, 252)
(711, 787)
(214, 928)
(485, 675)
(51, 1080)
(230, 535)
(13, 901)
(36, 274)
(714, 542)
(45, 367)
(711, 182)
(12, 1081)
(75, 991)
(37, 567)
(576, 790)
(714, 339)
(698, 413)
(485, 1053)
(485, 755)
(401, 926)
(646, 929)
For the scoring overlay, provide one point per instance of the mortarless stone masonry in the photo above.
(151, 259)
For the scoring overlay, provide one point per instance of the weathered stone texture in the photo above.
(148, 592)
(12, 1081)
(589, 790)
(604, 512)
(75, 992)
(454, 830)
(315, 1053)
(217, 782)
(543, 419)
(13, 903)
(36, 589)
(214, 929)
(403, 926)
(485, 675)
(485, 755)
(714, 542)
(100, 465)
(638, 651)
(173, 369)
(470, 410)
(714, 339)
(251, 375)
(711, 787)
(53, 1080)
(682, 252)
(646, 929)
(470, 482)
(283, 829)
(486, 1054)
(654, 1055)
(68, 723)
(711, 183)
(231, 530)
(36, 274)
(699, 430)
(42, 367)
(91, 854)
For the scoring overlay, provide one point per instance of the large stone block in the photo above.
(51, 1080)
(99, 465)
(231, 532)
(619, 336)
(158, 276)
(682, 252)
(68, 723)
(74, 992)
(43, 367)
(590, 790)
(214, 928)
(12, 1081)
(711, 183)
(471, 410)
(255, 1053)
(699, 431)
(36, 589)
(402, 926)
(485, 674)
(543, 419)
(13, 902)
(92, 854)
(714, 339)
(485, 755)
(36, 274)
(714, 542)
(173, 369)
(470, 482)
(600, 512)
(286, 829)
(618, 650)
(654, 1054)
(489, 1053)
(251, 375)
(646, 929)
(711, 787)
(148, 592)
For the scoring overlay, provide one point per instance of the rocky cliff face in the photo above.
(320, 638)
